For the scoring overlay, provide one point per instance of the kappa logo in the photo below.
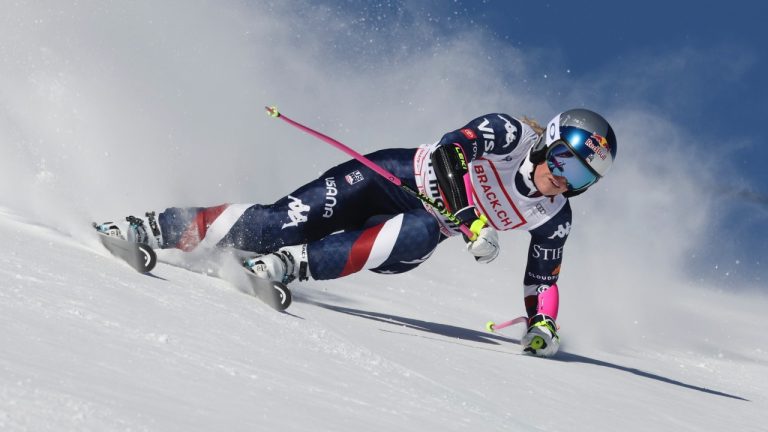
(562, 231)
(512, 131)
(489, 135)
(296, 212)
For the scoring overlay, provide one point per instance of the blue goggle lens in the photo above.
(562, 162)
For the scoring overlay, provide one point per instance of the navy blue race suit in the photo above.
(351, 218)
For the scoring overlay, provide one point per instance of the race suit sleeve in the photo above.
(492, 133)
(545, 255)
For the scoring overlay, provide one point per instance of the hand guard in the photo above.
(485, 246)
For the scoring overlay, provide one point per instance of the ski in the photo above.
(275, 294)
(143, 259)
(139, 256)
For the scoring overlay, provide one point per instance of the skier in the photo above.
(496, 173)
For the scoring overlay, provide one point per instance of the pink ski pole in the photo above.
(272, 111)
(492, 326)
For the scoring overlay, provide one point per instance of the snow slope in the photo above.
(88, 344)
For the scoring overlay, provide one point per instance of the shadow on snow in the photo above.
(575, 358)
(469, 335)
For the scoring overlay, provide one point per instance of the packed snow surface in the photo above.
(89, 344)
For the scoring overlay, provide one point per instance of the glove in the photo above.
(485, 247)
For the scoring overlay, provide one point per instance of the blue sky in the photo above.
(721, 80)
(717, 82)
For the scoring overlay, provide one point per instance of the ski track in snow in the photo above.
(88, 344)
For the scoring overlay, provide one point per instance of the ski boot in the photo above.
(110, 229)
(284, 266)
(136, 230)
(541, 339)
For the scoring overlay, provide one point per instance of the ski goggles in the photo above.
(562, 161)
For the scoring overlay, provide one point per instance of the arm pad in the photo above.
(450, 166)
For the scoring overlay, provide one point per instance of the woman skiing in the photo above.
(496, 173)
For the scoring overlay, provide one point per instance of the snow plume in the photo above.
(111, 109)
(108, 109)
(627, 254)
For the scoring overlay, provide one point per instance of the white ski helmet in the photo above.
(579, 145)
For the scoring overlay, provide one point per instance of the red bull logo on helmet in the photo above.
(598, 144)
